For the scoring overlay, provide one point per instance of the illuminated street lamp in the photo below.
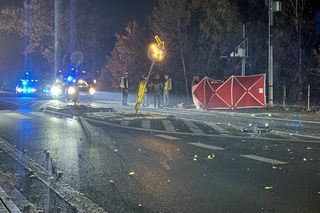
(156, 52)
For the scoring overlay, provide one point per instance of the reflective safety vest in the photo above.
(167, 85)
(124, 83)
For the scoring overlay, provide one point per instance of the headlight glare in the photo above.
(71, 90)
(55, 91)
(92, 91)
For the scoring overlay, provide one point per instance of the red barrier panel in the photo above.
(236, 92)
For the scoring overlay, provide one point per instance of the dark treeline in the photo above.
(197, 33)
(204, 30)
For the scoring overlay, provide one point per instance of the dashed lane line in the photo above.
(263, 159)
(168, 125)
(216, 148)
(167, 137)
(145, 124)
(194, 128)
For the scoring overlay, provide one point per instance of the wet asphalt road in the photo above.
(168, 174)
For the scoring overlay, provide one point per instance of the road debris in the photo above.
(304, 159)
(195, 157)
(168, 181)
(268, 187)
(140, 205)
(111, 181)
(131, 174)
(115, 150)
(211, 156)
(274, 167)
(309, 148)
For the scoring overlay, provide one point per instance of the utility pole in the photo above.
(243, 65)
(274, 6)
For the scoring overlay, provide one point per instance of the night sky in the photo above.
(117, 12)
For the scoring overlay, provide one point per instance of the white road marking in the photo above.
(217, 127)
(263, 159)
(42, 114)
(167, 137)
(145, 124)
(124, 123)
(37, 104)
(16, 115)
(194, 128)
(207, 146)
(168, 126)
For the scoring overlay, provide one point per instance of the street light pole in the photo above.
(243, 65)
(270, 53)
(274, 6)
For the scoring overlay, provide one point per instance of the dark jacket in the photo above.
(156, 87)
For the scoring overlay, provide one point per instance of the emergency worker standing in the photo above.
(166, 90)
(124, 85)
(156, 89)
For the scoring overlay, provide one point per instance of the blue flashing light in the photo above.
(26, 90)
(24, 83)
(70, 78)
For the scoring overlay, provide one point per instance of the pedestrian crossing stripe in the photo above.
(124, 123)
(168, 126)
(146, 124)
(217, 127)
(194, 128)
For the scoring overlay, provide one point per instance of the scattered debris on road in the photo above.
(195, 157)
(211, 156)
(268, 187)
(131, 174)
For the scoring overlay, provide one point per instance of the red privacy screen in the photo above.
(234, 93)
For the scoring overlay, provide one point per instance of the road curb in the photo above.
(9, 205)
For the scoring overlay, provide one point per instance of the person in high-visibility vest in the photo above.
(124, 85)
(167, 87)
